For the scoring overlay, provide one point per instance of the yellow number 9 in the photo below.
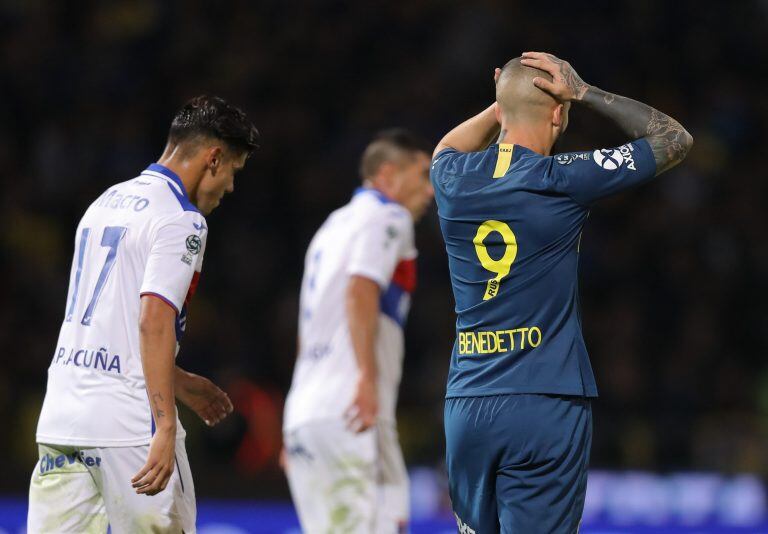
(501, 266)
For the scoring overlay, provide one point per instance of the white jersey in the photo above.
(371, 237)
(140, 237)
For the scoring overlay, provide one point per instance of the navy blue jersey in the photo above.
(512, 221)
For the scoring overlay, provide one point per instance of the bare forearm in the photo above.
(158, 347)
(362, 330)
(181, 379)
(362, 317)
(180, 376)
(474, 134)
(669, 141)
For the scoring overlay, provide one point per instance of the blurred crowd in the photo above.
(673, 275)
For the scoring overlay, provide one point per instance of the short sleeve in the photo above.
(176, 253)
(590, 176)
(379, 245)
(443, 162)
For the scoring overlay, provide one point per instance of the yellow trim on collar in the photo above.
(504, 160)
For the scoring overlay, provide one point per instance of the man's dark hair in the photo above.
(211, 116)
(390, 146)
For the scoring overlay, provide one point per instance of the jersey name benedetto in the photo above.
(140, 237)
(512, 221)
(372, 237)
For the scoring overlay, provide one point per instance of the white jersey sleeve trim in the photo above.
(177, 244)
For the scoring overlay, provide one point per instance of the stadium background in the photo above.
(673, 276)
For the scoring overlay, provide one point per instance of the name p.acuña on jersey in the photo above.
(98, 359)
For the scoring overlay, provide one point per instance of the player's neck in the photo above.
(185, 169)
(539, 139)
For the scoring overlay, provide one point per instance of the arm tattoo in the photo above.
(569, 76)
(157, 398)
(669, 141)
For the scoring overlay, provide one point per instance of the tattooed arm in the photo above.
(157, 340)
(669, 141)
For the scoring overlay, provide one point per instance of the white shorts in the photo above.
(346, 482)
(81, 490)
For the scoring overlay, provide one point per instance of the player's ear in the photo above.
(387, 171)
(558, 116)
(214, 158)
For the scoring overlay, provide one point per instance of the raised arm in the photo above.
(475, 133)
(669, 141)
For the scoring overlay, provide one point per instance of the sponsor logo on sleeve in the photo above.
(567, 159)
(608, 158)
(626, 153)
(612, 158)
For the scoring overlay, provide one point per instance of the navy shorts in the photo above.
(518, 463)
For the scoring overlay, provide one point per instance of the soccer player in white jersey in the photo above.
(111, 447)
(342, 457)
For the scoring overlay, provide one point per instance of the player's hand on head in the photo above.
(362, 414)
(156, 473)
(566, 84)
(205, 398)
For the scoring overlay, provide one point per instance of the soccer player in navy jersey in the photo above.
(518, 421)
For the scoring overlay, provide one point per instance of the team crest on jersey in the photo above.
(194, 244)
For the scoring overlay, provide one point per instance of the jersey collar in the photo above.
(174, 182)
(381, 197)
(168, 175)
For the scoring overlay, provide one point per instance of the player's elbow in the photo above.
(687, 142)
(442, 145)
(150, 327)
